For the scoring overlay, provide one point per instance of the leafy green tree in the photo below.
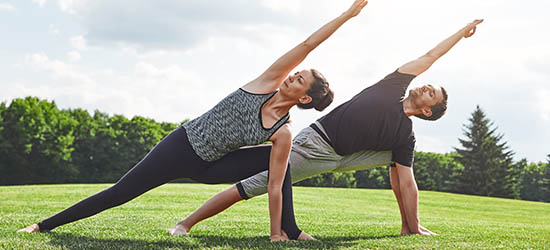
(436, 172)
(113, 155)
(531, 181)
(36, 143)
(488, 165)
(338, 179)
(545, 187)
(41, 144)
(4, 166)
(108, 147)
(90, 146)
(373, 178)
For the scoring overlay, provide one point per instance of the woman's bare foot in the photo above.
(178, 230)
(30, 229)
(302, 236)
(305, 236)
(283, 235)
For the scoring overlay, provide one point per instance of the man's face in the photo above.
(426, 96)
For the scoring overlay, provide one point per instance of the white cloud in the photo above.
(427, 143)
(164, 93)
(543, 104)
(73, 56)
(79, 43)
(174, 24)
(71, 6)
(67, 73)
(6, 7)
(39, 2)
(54, 30)
(282, 5)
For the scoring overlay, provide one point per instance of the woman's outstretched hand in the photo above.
(470, 29)
(356, 8)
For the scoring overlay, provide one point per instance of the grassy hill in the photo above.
(339, 218)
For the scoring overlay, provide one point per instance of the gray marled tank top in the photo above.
(234, 122)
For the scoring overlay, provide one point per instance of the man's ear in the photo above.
(305, 99)
(427, 112)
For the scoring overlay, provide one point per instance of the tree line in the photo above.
(39, 144)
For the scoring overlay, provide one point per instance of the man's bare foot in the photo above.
(305, 236)
(178, 230)
(30, 229)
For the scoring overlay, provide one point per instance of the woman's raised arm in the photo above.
(272, 78)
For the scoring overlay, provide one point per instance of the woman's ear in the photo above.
(305, 99)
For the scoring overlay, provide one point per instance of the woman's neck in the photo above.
(279, 104)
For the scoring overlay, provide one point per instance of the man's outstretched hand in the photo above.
(470, 29)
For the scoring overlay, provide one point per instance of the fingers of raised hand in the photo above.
(357, 6)
(471, 32)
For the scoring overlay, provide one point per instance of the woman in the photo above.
(206, 149)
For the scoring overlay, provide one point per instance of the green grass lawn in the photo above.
(339, 218)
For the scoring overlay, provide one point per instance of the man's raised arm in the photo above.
(423, 63)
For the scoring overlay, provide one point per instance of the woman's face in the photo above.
(296, 85)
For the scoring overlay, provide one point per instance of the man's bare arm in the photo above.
(423, 63)
(394, 180)
(408, 192)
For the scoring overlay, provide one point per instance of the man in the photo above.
(371, 129)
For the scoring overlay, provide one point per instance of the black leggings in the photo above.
(171, 159)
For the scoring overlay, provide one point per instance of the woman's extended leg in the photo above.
(168, 160)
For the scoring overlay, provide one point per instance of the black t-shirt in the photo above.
(374, 120)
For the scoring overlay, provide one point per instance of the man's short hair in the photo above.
(438, 110)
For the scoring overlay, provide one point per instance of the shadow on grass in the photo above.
(71, 241)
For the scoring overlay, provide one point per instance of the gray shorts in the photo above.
(311, 155)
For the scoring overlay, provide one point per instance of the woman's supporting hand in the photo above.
(278, 162)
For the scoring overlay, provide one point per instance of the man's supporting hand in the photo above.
(423, 231)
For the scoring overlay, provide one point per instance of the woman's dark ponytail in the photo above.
(325, 100)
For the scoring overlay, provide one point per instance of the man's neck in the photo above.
(409, 108)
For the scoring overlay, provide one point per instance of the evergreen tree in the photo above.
(488, 165)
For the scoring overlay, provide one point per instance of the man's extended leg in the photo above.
(211, 207)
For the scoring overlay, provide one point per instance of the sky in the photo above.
(171, 60)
